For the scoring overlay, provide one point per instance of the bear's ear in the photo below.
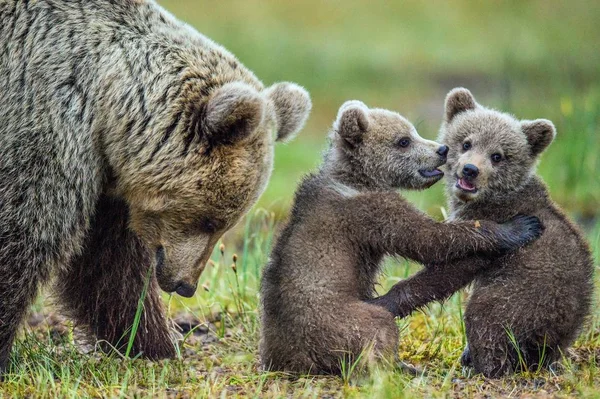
(540, 134)
(234, 112)
(292, 107)
(352, 121)
(457, 101)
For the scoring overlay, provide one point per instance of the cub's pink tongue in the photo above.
(464, 184)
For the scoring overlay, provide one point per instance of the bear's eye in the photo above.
(405, 142)
(496, 158)
(206, 225)
(467, 145)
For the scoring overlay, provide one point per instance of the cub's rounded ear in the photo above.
(540, 133)
(234, 112)
(292, 107)
(352, 121)
(458, 100)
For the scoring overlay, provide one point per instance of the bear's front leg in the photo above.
(24, 267)
(102, 287)
(19, 285)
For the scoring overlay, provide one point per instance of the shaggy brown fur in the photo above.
(113, 269)
(118, 100)
(344, 220)
(538, 296)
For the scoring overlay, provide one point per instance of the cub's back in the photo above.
(310, 259)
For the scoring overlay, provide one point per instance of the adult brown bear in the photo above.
(126, 139)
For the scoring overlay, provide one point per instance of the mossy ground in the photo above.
(218, 356)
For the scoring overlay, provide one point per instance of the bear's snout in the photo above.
(443, 151)
(185, 289)
(470, 171)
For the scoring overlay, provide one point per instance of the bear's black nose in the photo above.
(186, 290)
(470, 170)
(443, 151)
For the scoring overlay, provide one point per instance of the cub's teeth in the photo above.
(464, 184)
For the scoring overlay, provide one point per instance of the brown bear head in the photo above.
(491, 152)
(210, 164)
(383, 150)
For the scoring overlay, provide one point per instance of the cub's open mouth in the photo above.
(431, 173)
(465, 185)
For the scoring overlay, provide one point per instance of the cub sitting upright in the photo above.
(344, 220)
(534, 300)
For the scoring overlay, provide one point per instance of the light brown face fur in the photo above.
(182, 203)
(491, 153)
(186, 221)
(385, 147)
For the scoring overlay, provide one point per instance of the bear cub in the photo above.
(345, 219)
(526, 307)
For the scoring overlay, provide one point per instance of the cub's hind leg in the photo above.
(490, 338)
(369, 334)
(330, 339)
(492, 355)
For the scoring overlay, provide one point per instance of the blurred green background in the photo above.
(531, 58)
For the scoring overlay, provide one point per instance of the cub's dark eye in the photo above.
(496, 158)
(467, 145)
(404, 142)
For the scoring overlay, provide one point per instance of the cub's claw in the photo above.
(408, 369)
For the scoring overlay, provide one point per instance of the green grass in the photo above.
(535, 59)
(220, 357)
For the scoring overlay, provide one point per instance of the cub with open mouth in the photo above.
(526, 308)
(345, 219)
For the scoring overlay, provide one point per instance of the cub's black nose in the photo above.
(186, 290)
(470, 170)
(443, 151)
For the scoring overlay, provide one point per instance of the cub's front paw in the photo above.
(397, 301)
(519, 231)
(384, 302)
